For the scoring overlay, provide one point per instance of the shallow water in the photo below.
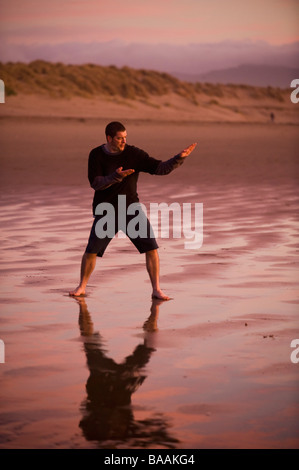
(209, 369)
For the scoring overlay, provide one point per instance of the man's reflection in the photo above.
(107, 411)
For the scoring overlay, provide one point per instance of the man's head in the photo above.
(116, 136)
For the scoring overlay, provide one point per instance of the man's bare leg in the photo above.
(87, 266)
(153, 268)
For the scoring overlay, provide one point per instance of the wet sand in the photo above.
(209, 369)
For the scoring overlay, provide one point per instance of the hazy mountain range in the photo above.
(248, 62)
(255, 75)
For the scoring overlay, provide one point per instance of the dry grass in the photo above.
(64, 81)
(89, 80)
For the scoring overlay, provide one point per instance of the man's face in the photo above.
(118, 142)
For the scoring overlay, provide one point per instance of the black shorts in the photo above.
(144, 240)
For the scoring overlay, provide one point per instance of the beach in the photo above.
(209, 369)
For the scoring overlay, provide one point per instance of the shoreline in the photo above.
(168, 108)
(143, 121)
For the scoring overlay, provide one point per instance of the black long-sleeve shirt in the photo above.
(108, 184)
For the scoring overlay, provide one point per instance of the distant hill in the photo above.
(191, 58)
(255, 75)
(65, 81)
(43, 88)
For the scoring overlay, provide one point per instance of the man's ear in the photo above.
(109, 139)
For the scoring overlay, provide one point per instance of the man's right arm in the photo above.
(103, 182)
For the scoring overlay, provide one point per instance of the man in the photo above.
(113, 170)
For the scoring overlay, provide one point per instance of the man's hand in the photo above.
(188, 150)
(123, 173)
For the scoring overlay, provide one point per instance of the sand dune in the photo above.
(89, 91)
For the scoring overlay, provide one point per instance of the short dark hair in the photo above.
(113, 128)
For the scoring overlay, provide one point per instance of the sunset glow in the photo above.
(170, 21)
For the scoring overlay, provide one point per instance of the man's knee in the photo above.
(89, 255)
(151, 253)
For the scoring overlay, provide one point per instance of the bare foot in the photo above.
(77, 292)
(159, 294)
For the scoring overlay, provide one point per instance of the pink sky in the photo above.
(148, 21)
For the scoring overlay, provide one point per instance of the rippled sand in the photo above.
(209, 369)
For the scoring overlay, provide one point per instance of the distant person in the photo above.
(272, 117)
(113, 170)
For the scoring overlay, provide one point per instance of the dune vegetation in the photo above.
(59, 80)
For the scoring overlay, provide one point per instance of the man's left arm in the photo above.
(164, 168)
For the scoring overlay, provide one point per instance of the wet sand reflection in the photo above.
(108, 416)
